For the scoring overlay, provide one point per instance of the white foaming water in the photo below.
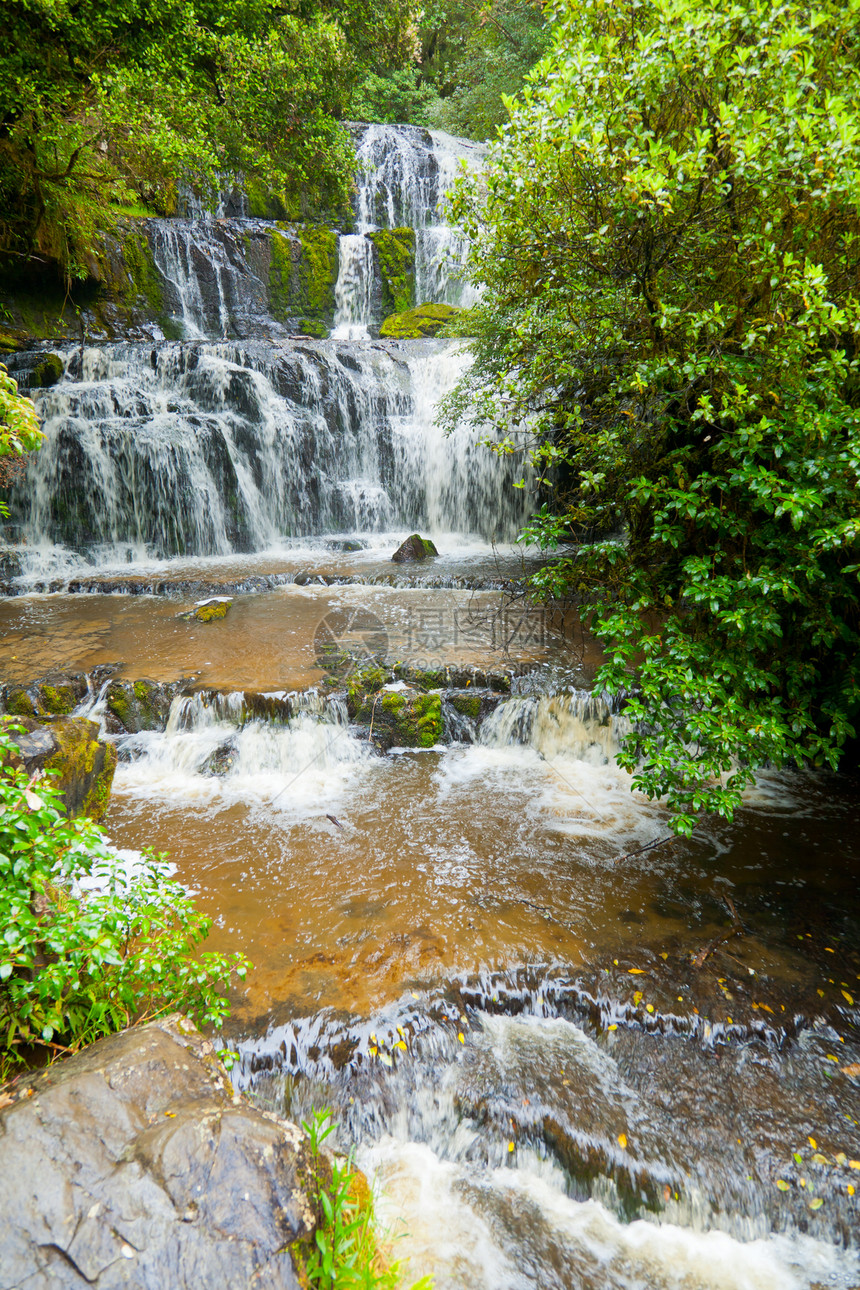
(353, 291)
(512, 1226)
(291, 767)
(429, 1204)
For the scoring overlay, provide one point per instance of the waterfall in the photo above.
(217, 448)
(241, 434)
(354, 288)
(582, 726)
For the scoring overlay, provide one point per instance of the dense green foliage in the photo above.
(670, 245)
(109, 102)
(19, 431)
(86, 948)
(471, 54)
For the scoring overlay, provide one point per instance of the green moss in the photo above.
(119, 704)
(318, 271)
(142, 274)
(86, 767)
(417, 324)
(212, 609)
(395, 259)
(58, 700)
(403, 718)
(19, 703)
(302, 279)
(47, 373)
(468, 705)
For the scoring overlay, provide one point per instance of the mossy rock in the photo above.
(419, 323)
(140, 705)
(414, 548)
(302, 276)
(402, 718)
(394, 252)
(85, 766)
(205, 611)
(363, 684)
(47, 373)
(18, 701)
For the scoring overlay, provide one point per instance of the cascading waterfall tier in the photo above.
(211, 448)
(404, 176)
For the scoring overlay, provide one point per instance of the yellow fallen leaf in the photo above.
(854, 1164)
(828, 950)
(614, 1026)
(782, 1185)
(831, 1058)
(649, 1007)
(622, 1141)
(817, 1203)
(636, 971)
(841, 1158)
(819, 1159)
(511, 1146)
(400, 1044)
(637, 997)
(848, 998)
(401, 1032)
(812, 1143)
(820, 992)
(664, 956)
(461, 1037)
(850, 1189)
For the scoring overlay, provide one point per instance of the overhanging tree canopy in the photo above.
(107, 101)
(669, 239)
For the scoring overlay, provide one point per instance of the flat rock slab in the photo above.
(135, 1164)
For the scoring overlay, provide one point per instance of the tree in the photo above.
(106, 102)
(476, 53)
(469, 56)
(669, 240)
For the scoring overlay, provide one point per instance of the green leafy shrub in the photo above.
(86, 947)
(668, 241)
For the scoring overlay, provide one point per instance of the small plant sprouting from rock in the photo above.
(345, 1254)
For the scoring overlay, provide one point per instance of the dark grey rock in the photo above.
(134, 1164)
(414, 548)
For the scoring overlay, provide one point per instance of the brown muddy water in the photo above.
(564, 1065)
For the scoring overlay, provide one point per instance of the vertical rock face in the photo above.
(70, 745)
(134, 1164)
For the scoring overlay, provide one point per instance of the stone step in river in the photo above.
(567, 1056)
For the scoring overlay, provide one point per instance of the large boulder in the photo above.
(414, 548)
(71, 746)
(135, 1164)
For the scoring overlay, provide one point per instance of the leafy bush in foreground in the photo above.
(87, 948)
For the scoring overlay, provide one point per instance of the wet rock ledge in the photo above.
(135, 1164)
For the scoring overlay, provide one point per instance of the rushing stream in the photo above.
(567, 1057)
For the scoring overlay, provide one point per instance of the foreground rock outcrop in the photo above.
(135, 1164)
(70, 746)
